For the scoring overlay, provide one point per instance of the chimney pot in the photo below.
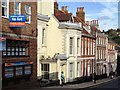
(91, 22)
(97, 22)
(65, 8)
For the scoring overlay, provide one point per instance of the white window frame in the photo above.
(28, 13)
(85, 46)
(71, 46)
(43, 71)
(19, 7)
(78, 46)
(78, 69)
(82, 46)
(43, 36)
(5, 7)
(88, 46)
(71, 70)
(91, 49)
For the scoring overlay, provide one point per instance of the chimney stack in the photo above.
(80, 13)
(56, 5)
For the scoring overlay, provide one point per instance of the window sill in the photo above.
(13, 56)
(5, 17)
(28, 22)
(44, 45)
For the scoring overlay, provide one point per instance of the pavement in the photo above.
(86, 84)
(80, 86)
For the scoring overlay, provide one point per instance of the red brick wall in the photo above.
(29, 28)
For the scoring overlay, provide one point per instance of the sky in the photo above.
(105, 12)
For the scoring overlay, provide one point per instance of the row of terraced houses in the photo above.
(52, 41)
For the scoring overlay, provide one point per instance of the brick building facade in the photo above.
(19, 57)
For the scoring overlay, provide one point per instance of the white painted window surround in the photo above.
(28, 13)
(17, 8)
(5, 8)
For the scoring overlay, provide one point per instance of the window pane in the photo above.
(24, 49)
(24, 53)
(16, 48)
(16, 53)
(4, 2)
(27, 9)
(17, 8)
(8, 53)
(4, 53)
(71, 45)
(12, 53)
(4, 8)
(16, 5)
(28, 12)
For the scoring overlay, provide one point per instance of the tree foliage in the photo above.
(114, 35)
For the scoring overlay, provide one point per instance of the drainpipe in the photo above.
(94, 74)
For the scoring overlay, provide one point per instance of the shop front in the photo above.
(16, 71)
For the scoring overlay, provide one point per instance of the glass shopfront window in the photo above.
(9, 72)
(18, 71)
(27, 70)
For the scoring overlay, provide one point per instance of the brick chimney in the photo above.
(56, 5)
(80, 13)
(65, 9)
(94, 23)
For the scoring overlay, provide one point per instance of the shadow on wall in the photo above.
(118, 65)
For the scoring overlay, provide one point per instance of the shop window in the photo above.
(18, 71)
(16, 48)
(9, 72)
(27, 70)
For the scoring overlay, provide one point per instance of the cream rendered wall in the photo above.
(53, 67)
(46, 7)
(54, 38)
(53, 34)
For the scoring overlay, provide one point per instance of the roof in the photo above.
(62, 16)
(84, 31)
